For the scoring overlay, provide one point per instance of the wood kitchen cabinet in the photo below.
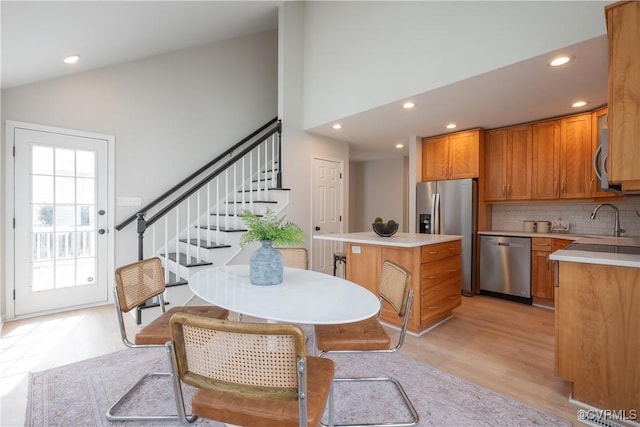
(453, 156)
(597, 322)
(562, 158)
(623, 100)
(507, 164)
(542, 286)
(436, 278)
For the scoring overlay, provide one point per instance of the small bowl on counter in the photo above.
(383, 229)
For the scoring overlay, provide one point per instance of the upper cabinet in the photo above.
(453, 156)
(623, 96)
(562, 158)
(507, 164)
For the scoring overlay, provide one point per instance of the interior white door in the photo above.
(327, 212)
(61, 219)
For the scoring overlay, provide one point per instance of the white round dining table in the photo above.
(304, 296)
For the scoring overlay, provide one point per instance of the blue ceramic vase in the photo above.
(265, 266)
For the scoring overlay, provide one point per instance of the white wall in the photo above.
(300, 147)
(363, 54)
(378, 188)
(170, 113)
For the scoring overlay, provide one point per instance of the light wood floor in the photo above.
(501, 345)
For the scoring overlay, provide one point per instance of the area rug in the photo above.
(80, 393)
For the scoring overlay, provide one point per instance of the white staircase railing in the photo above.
(198, 222)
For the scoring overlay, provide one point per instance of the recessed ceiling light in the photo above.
(337, 126)
(579, 104)
(408, 105)
(452, 126)
(560, 60)
(71, 59)
(399, 145)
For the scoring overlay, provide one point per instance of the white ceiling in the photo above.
(37, 35)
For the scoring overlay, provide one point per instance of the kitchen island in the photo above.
(597, 321)
(433, 260)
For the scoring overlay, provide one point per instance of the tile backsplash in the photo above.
(509, 217)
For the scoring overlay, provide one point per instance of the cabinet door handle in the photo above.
(433, 252)
(504, 191)
(508, 190)
(453, 297)
(562, 187)
(431, 307)
(432, 277)
(555, 188)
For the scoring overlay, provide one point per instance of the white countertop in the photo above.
(304, 296)
(402, 240)
(604, 258)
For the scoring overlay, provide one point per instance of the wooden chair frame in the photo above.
(204, 371)
(399, 295)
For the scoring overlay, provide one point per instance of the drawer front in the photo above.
(440, 251)
(434, 273)
(441, 299)
(541, 244)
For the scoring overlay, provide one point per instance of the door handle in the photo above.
(317, 228)
(102, 231)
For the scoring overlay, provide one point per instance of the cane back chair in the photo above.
(250, 374)
(295, 257)
(369, 335)
(135, 284)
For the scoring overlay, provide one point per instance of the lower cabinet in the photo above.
(542, 290)
(436, 278)
(597, 322)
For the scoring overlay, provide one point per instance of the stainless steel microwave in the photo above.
(600, 167)
(600, 164)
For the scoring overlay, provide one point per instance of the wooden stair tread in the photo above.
(226, 230)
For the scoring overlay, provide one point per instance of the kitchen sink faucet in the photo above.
(616, 226)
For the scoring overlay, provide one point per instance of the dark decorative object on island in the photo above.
(385, 229)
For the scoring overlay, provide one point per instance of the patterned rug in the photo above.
(79, 394)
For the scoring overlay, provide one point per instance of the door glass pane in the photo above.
(42, 189)
(42, 276)
(65, 190)
(85, 164)
(86, 244)
(65, 273)
(86, 217)
(85, 192)
(42, 160)
(65, 217)
(65, 162)
(64, 245)
(86, 271)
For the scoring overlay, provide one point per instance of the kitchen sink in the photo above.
(592, 247)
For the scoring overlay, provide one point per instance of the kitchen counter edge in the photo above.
(402, 240)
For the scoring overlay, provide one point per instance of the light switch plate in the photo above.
(129, 201)
(355, 249)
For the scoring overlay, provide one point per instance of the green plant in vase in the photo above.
(266, 267)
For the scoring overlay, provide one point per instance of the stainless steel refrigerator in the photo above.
(450, 207)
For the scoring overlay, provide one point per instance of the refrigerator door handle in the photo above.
(435, 215)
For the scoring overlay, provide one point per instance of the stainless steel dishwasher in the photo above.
(505, 267)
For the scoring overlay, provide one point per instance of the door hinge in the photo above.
(14, 151)
(14, 223)
(14, 294)
(340, 173)
(340, 218)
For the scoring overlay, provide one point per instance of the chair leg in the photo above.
(407, 402)
(110, 412)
